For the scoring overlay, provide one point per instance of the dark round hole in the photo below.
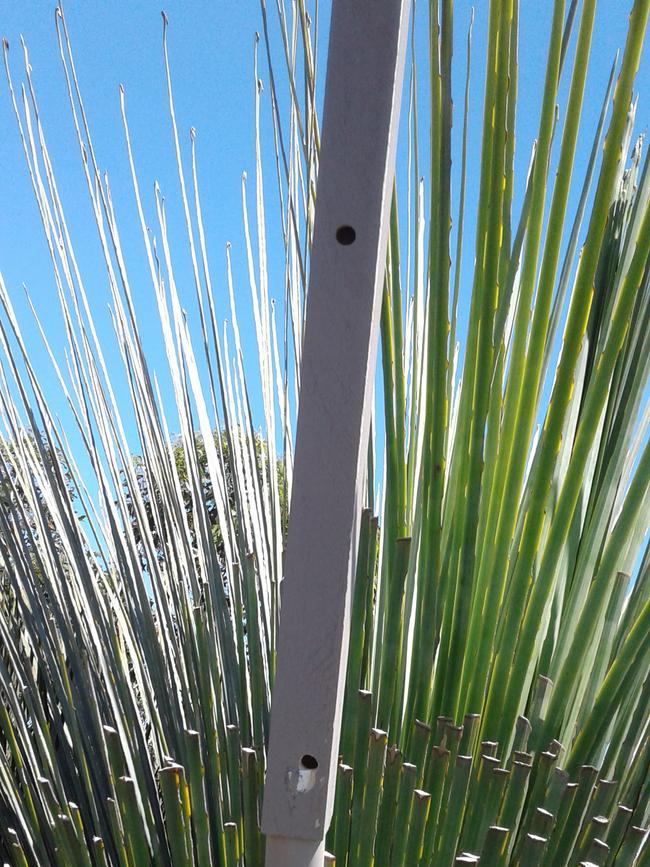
(308, 762)
(346, 235)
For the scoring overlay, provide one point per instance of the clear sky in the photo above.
(211, 50)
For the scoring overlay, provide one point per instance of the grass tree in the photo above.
(497, 694)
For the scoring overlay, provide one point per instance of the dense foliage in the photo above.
(497, 693)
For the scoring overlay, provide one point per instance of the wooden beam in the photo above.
(365, 66)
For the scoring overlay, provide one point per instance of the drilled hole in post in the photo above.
(346, 235)
(308, 763)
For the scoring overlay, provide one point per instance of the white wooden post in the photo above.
(365, 66)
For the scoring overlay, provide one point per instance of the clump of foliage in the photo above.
(154, 504)
(497, 695)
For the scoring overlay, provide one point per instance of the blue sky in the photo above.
(211, 50)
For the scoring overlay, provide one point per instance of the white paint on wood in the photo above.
(362, 95)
